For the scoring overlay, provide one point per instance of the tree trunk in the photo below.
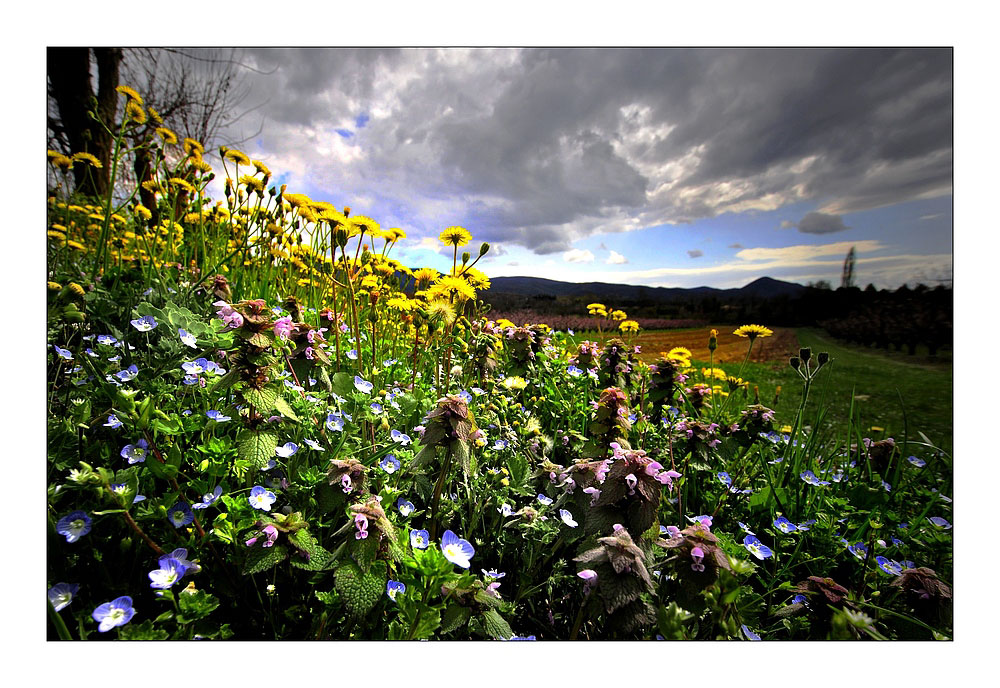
(70, 86)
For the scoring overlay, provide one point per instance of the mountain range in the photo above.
(763, 288)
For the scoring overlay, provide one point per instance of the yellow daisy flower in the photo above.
(130, 93)
(94, 162)
(134, 112)
(455, 236)
(168, 136)
(261, 168)
(193, 147)
(752, 331)
(238, 157)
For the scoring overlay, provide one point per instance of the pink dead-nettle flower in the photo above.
(283, 327)
(270, 534)
(631, 481)
(361, 523)
(697, 554)
(345, 482)
(594, 493)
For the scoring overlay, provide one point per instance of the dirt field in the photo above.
(778, 347)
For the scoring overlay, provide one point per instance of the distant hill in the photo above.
(763, 288)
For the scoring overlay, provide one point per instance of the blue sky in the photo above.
(665, 167)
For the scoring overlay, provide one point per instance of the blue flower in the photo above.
(113, 422)
(214, 368)
(574, 371)
(805, 524)
(405, 507)
(209, 498)
(859, 550)
(128, 374)
(187, 338)
(456, 550)
(353, 354)
(500, 445)
(118, 612)
(493, 573)
(799, 599)
(135, 453)
(107, 340)
(363, 385)
(74, 525)
(724, 478)
(217, 416)
(145, 323)
(745, 527)
(61, 594)
(757, 548)
(940, 522)
(180, 514)
(170, 572)
(390, 464)
(335, 422)
(919, 463)
(389, 362)
(64, 353)
(419, 539)
(393, 588)
(286, 450)
(376, 407)
(567, 518)
(544, 500)
(195, 367)
(399, 437)
(892, 568)
(748, 633)
(465, 396)
(261, 498)
(505, 510)
(784, 525)
(314, 445)
(810, 478)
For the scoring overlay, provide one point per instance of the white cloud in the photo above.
(616, 259)
(578, 256)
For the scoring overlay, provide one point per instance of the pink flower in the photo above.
(233, 320)
(697, 554)
(631, 481)
(361, 523)
(283, 327)
(594, 493)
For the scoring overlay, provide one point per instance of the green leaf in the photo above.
(518, 467)
(196, 605)
(168, 427)
(256, 447)
(282, 407)
(164, 471)
(460, 451)
(143, 631)
(225, 382)
(260, 399)
(343, 384)
(319, 558)
(263, 558)
(495, 625)
(360, 591)
(454, 617)
(363, 552)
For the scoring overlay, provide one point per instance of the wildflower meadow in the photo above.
(262, 426)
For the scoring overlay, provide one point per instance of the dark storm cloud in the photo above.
(540, 147)
(819, 223)
(695, 253)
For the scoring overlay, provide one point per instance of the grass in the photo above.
(885, 386)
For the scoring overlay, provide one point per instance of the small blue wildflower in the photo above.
(187, 338)
(940, 522)
(292, 386)
(393, 588)
(567, 518)
(376, 407)
(505, 510)
(522, 637)
(168, 574)
(745, 527)
(859, 550)
(574, 371)
(145, 323)
(887, 486)
(61, 594)
(135, 453)
(493, 573)
(286, 450)
(389, 362)
(261, 498)
(892, 568)
(180, 514)
(400, 437)
(209, 498)
(128, 374)
(919, 463)
(748, 633)
(805, 524)
(456, 550)
(74, 525)
(419, 539)
(799, 599)
(353, 354)
(784, 525)
(334, 422)
(106, 340)
(405, 507)
(390, 464)
(314, 445)
(191, 379)
(363, 385)
(195, 367)
(217, 416)
(478, 391)
(724, 478)
(113, 422)
(500, 445)
(214, 368)
(544, 500)
(757, 548)
(810, 478)
(118, 612)
(64, 353)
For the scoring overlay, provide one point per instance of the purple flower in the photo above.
(64, 353)
(361, 523)
(61, 594)
(270, 534)
(217, 416)
(145, 323)
(286, 450)
(261, 498)
(784, 525)
(456, 550)
(118, 612)
(74, 525)
(390, 464)
(940, 522)
(393, 588)
(697, 555)
(283, 327)
(180, 514)
(209, 498)
(113, 422)
(749, 634)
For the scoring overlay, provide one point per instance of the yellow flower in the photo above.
(94, 162)
(253, 184)
(618, 315)
(629, 326)
(596, 306)
(394, 234)
(261, 168)
(786, 428)
(425, 276)
(513, 383)
(365, 224)
(131, 93)
(504, 323)
(752, 331)
(200, 165)
(134, 112)
(155, 116)
(182, 183)
(454, 286)
(455, 236)
(717, 373)
(167, 135)
(192, 147)
(441, 310)
(62, 162)
(143, 212)
(76, 245)
(53, 234)
(238, 157)
(297, 200)
(476, 278)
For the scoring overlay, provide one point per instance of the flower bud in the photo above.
(483, 249)
(805, 354)
(465, 257)
(794, 362)
(823, 358)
